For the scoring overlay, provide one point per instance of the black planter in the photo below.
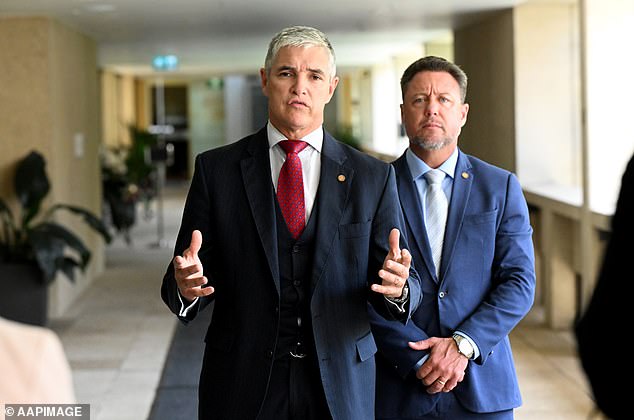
(23, 294)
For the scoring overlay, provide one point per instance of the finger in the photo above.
(183, 267)
(204, 291)
(192, 282)
(189, 271)
(194, 245)
(191, 294)
(419, 345)
(394, 244)
(390, 278)
(406, 260)
(389, 291)
(435, 387)
(441, 384)
(179, 262)
(451, 384)
(397, 271)
(423, 371)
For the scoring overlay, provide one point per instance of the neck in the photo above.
(433, 158)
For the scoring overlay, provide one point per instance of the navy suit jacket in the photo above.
(232, 202)
(486, 286)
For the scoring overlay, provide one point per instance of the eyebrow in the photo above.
(312, 70)
(421, 93)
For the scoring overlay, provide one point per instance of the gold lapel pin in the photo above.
(341, 178)
(465, 175)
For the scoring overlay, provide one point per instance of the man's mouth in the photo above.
(432, 124)
(298, 103)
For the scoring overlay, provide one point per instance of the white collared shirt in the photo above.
(310, 158)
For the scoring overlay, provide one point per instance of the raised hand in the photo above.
(395, 270)
(188, 271)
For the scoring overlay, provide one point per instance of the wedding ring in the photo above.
(441, 382)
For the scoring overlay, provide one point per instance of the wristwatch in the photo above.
(464, 346)
(404, 295)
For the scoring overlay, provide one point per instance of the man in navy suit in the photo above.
(454, 359)
(290, 335)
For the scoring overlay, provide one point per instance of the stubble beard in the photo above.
(431, 144)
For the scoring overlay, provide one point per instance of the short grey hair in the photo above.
(299, 36)
(438, 64)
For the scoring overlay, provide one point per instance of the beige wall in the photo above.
(25, 114)
(525, 85)
(547, 102)
(484, 50)
(49, 102)
(118, 104)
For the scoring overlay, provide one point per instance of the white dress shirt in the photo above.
(310, 158)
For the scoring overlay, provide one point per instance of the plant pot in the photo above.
(23, 294)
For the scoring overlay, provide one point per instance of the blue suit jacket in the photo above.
(486, 286)
(231, 201)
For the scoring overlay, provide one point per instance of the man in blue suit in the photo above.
(290, 334)
(454, 360)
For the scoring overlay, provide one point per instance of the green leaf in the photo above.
(49, 242)
(68, 266)
(8, 226)
(31, 185)
(88, 217)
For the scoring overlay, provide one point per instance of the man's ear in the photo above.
(333, 85)
(263, 80)
(464, 112)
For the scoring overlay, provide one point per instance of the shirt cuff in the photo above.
(420, 362)
(185, 309)
(399, 302)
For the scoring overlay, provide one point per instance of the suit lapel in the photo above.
(332, 195)
(256, 175)
(463, 180)
(412, 209)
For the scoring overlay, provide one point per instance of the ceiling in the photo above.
(221, 36)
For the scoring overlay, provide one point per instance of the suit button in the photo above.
(295, 249)
(269, 354)
(441, 295)
(277, 309)
(297, 283)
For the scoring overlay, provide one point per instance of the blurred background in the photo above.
(120, 95)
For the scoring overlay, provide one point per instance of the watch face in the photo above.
(465, 348)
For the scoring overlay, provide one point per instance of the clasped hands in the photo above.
(445, 366)
(188, 270)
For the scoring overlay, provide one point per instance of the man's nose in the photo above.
(300, 86)
(432, 107)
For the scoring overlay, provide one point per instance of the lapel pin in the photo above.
(341, 178)
(465, 175)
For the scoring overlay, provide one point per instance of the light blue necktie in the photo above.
(435, 214)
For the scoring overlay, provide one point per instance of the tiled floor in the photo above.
(118, 334)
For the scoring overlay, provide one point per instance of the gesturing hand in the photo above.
(395, 270)
(188, 271)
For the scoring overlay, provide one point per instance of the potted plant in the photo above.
(34, 248)
(128, 178)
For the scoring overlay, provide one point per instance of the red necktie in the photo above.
(290, 187)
